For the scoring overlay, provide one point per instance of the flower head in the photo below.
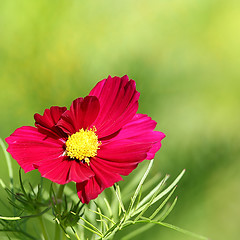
(100, 138)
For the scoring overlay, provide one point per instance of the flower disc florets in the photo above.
(83, 144)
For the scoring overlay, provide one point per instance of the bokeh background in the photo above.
(184, 56)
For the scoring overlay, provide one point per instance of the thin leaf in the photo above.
(2, 184)
(128, 189)
(105, 222)
(9, 164)
(108, 207)
(118, 193)
(101, 219)
(21, 183)
(148, 204)
(139, 186)
(32, 189)
(153, 192)
(169, 210)
(100, 214)
(10, 218)
(138, 231)
(75, 233)
(95, 228)
(163, 193)
(162, 204)
(91, 230)
(186, 232)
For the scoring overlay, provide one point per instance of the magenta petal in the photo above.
(104, 175)
(79, 171)
(64, 170)
(82, 114)
(123, 151)
(135, 142)
(56, 170)
(47, 123)
(122, 168)
(28, 147)
(88, 190)
(118, 104)
(156, 146)
(91, 188)
(147, 125)
(33, 149)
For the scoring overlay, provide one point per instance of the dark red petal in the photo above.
(64, 170)
(79, 171)
(56, 170)
(28, 146)
(91, 188)
(47, 123)
(88, 190)
(118, 104)
(82, 114)
(32, 150)
(135, 142)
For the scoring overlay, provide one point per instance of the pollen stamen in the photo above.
(83, 145)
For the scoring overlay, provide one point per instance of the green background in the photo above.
(185, 58)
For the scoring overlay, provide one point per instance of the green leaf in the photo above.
(153, 194)
(91, 225)
(162, 204)
(163, 193)
(156, 189)
(91, 230)
(9, 164)
(168, 210)
(131, 186)
(102, 215)
(108, 207)
(139, 186)
(118, 193)
(151, 182)
(186, 232)
(10, 218)
(167, 190)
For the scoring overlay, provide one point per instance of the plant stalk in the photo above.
(58, 235)
(43, 227)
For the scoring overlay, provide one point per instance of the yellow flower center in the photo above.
(83, 145)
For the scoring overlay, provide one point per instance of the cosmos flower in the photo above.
(99, 139)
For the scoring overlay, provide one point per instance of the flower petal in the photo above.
(82, 114)
(56, 170)
(47, 123)
(146, 126)
(79, 171)
(135, 142)
(91, 188)
(118, 104)
(64, 170)
(124, 151)
(28, 146)
(123, 168)
(34, 150)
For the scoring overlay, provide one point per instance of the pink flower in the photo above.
(99, 139)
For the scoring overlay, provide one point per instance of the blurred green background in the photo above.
(184, 56)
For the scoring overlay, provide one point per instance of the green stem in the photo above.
(60, 192)
(44, 230)
(57, 232)
(58, 235)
